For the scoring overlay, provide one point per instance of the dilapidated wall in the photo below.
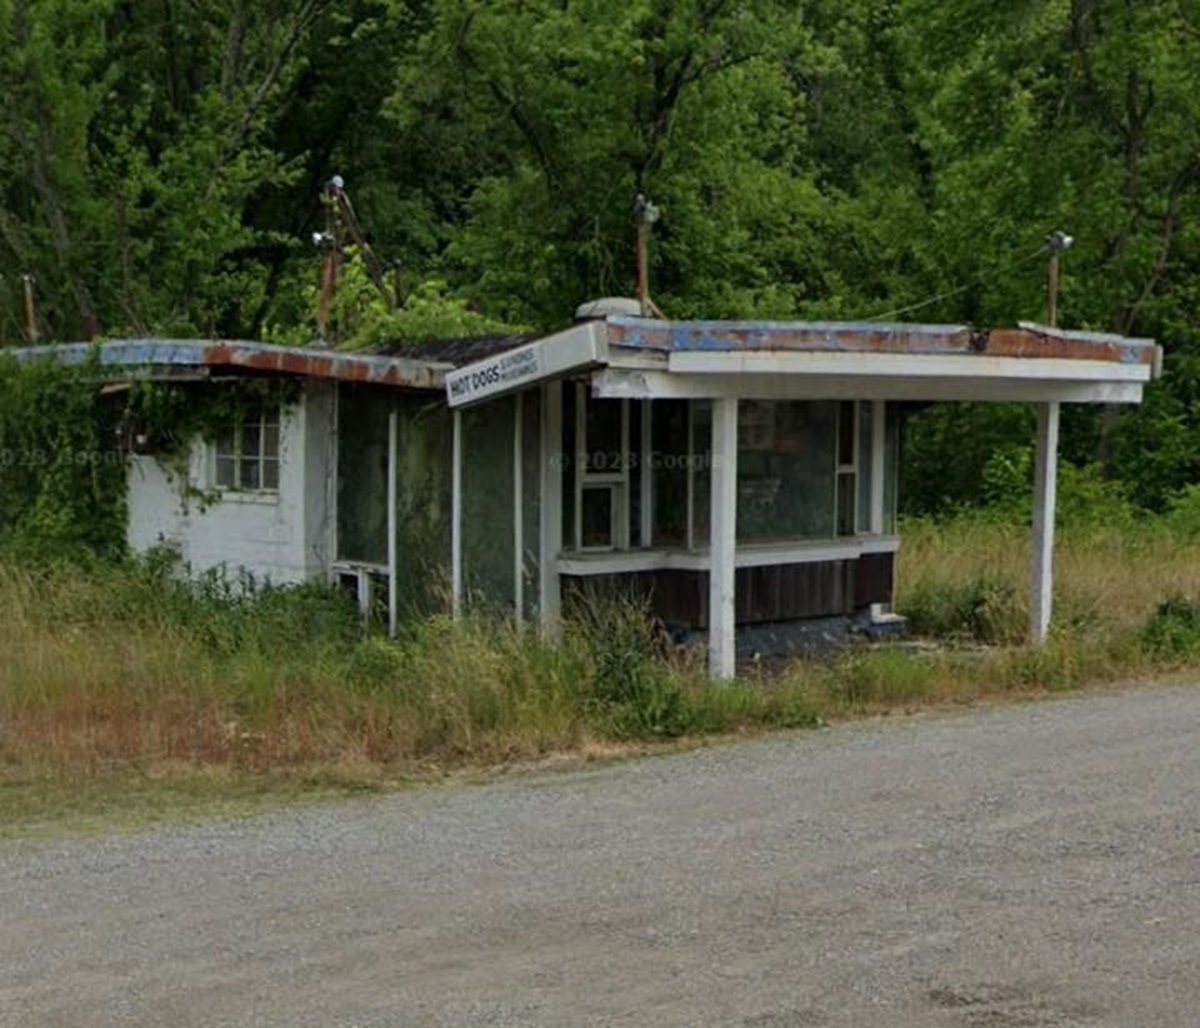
(280, 537)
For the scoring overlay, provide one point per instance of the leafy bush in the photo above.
(1173, 630)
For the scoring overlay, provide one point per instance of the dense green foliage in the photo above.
(62, 481)
(161, 167)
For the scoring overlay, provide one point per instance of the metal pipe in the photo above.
(31, 329)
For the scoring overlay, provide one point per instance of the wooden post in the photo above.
(723, 539)
(456, 548)
(551, 520)
(1044, 494)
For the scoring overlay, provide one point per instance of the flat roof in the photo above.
(648, 358)
(644, 358)
(180, 359)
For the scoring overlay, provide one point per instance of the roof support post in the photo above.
(723, 538)
(550, 522)
(1045, 488)
(456, 554)
(877, 481)
(519, 507)
(392, 526)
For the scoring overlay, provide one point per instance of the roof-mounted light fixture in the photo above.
(1058, 243)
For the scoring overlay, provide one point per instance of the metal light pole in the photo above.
(1057, 243)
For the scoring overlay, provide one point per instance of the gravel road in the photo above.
(1005, 868)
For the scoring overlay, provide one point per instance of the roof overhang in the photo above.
(637, 358)
(182, 359)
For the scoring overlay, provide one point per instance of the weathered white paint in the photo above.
(872, 365)
(278, 537)
(1045, 490)
(456, 534)
(615, 383)
(519, 509)
(748, 555)
(723, 539)
(392, 483)
(551, 519)
(876, 471)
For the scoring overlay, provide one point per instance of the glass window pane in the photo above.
(846, 433)
(604, 453)
(251, 439)
(669, 462)
(270, 474)
(271, 439)
(488, 512)
(226, 472)
(226, 445)
(787, 490)
(864, 466)
(597, 516)
(248, 474)
(701, 463)
(362, 470)
(891, 466)
(846, 512)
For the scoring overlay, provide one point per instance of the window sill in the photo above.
(260, 499)
(747, 555)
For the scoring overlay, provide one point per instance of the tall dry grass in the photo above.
(1107, 582)
(122, 669)
(110, 670)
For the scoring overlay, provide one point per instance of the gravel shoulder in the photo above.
(1011, 867)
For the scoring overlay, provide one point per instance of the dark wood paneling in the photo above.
(874, 577)
(773, 592)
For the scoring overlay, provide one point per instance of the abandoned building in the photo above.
(740, 475)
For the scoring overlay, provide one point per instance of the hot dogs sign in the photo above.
(526, 365)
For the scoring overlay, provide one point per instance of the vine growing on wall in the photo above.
(66, 434)
(62, 479)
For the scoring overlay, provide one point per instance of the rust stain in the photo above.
(851, 338)
(345, 368)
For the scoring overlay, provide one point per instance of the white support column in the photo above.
(723, 539)
(393, 457)
(519, 507)
(1045, 488)
(878, 463)
(456, 554)
(551, 519)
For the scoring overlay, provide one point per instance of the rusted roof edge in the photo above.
(170, 355)
(1026, 341)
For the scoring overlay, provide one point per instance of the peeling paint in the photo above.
(1026, 341)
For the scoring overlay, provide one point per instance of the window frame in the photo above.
(229, 446)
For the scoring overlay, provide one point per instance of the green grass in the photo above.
(127, 697)
(44, 809)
